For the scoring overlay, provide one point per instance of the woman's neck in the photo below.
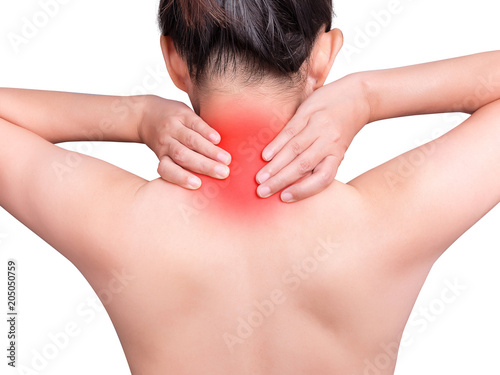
(247, 125)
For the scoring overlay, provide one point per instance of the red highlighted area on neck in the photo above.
(245, 131)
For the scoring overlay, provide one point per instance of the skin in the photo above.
(249, 285)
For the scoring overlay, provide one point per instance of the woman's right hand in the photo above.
(305, 156)
(183, 142)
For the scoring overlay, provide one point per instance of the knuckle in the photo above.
(296, 148)
(199, 126)
(178, 154)
(190, 124)
(160, 170)
(325, 178)
(271, 170)
(291, 132)
(163, 167)
(163, 141)
(178, 131)
(190, 141)
(335, 135)
(305, 166)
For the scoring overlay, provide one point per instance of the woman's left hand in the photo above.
(305, 156)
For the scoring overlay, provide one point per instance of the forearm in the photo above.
(63, 117)
(463, 84)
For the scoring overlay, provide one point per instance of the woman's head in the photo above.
(244, 42)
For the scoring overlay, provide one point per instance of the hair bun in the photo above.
(258, 37)
(198, 13)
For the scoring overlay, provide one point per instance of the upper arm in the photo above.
(423, 201)
(76, 203)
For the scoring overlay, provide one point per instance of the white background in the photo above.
(110, 47)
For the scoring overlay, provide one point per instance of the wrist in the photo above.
(362, 81)
(146, 103)
(358, 92)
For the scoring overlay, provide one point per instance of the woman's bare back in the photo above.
(308, 291)
(220, 281)
(215, 284)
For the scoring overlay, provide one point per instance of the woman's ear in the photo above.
(176, 66)
(323, 56)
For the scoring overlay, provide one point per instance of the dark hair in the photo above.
(265, 37)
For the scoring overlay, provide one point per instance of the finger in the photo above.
(314, 184)
(299, 168)
(291, 130)
(196, 124)
(197, 143)
(290, 152)
(175, 174)
(197, 163)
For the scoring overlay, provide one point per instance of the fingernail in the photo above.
(194, 182)
(267, 155)
(264, 191)
(224, 158)
(222, 171)
(214, 138)
(263, 178)
(287, 197)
